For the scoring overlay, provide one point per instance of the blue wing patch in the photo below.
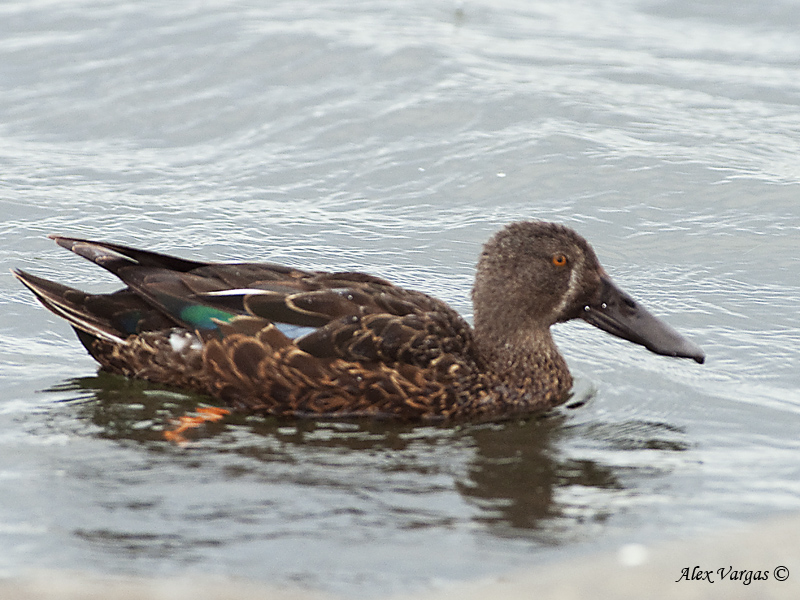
(293, 331)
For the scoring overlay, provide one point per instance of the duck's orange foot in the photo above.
(204, 414)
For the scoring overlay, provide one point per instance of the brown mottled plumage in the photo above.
(272, 339)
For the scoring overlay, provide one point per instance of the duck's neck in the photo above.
(526, 366)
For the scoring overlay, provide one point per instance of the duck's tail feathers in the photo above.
(71, 304)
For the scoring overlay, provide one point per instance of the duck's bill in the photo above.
(618, 314)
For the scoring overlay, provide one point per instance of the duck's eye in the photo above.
(559, 260)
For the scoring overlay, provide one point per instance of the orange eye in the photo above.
(559, 260)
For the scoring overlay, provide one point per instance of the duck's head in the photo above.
(533, 274)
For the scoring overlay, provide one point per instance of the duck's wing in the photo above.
(345, 315)
(190, 294)
(352, 316)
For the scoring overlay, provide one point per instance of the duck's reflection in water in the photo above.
(514, 478)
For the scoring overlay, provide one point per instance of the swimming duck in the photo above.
(272, 339)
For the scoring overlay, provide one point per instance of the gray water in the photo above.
(394, 138)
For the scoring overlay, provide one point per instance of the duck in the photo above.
(277, 340)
